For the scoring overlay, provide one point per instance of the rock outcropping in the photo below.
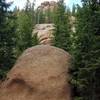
(47, 5)
(44, 33)
(41, 73)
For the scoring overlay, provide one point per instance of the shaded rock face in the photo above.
(44, 33)
(41, 73)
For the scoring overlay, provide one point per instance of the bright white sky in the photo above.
(21, 3)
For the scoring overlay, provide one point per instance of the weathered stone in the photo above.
(44, 33)
(41, 73)
(47, 5)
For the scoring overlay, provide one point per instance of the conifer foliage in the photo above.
(7, 36)
(87, 53)
(25, 25)
(62, 27)
(15, 34)
(83, 44)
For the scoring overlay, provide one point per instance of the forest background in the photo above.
(83, 44)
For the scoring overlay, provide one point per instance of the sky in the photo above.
(21, 3)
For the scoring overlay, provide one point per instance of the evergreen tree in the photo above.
(73, 9)
(7, 38)
(41, 17)
(87, 61)
(25, 25)
(62, 27)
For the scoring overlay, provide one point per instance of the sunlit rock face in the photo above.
(72, 23)
(44, 33)
(41, 73)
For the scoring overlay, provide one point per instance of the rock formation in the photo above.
(47, 5)
(45, 12)
(44, 33)
(41, 73)
(72, 23)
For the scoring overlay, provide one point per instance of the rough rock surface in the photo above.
(72, 23)
(44, 33)
(41, 73)
(47, 5)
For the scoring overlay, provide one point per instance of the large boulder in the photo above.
(41, 73)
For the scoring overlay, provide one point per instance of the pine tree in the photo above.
(62, 27)
(87, 61)
(7, 38)
(73, 9)
(25, 26)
